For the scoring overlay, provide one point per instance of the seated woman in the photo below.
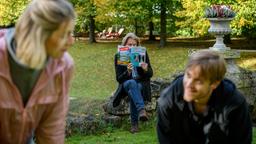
(137, 88)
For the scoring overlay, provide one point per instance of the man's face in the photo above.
(196, 87)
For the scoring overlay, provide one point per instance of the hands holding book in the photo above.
(129, 68)
(144, 66)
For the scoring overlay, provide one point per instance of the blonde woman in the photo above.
(35, 73)
(137, 88)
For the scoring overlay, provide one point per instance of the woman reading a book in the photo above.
(134, 81)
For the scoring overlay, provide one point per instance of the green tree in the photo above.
(163, 9)
(150, 16)
(86, 11)
(191, 21)
(245, 20)
(167, 11)
(105, 10)
(10, 11)
(191, 17)
(130, 13)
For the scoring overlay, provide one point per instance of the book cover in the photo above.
(134, 55)
(137, 55)
(123, 57)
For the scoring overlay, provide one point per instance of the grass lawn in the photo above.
(254, 136)
(94, 81)
(145, 136)
(95, 75)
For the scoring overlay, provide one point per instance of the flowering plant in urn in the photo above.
(219, 11)
(220, 17)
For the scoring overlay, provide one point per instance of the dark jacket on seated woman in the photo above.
(122, 76)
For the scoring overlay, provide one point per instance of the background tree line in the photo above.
(166, 18)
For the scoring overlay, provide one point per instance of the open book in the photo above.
(134, 55)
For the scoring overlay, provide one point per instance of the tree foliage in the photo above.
(84, 9)
(245, 21)
(183, 17)
(10, 10)
(130, 13)
(191, 21)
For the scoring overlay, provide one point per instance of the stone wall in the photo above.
(123, 109)
(245, 81)
(91, 123)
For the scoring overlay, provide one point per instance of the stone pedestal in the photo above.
(220, 27)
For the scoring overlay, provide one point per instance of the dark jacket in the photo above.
(226, 122)
(122, 75)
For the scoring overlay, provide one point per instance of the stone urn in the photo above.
(220, 27)
(244, 79)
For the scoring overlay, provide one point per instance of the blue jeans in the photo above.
(133, 89)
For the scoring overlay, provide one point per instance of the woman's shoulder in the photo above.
(2, 45)
(64, 63)
(67, 59)
(6, 33)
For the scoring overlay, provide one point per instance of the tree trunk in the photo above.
(163, 24)
(151, 29)
(92, 30)
(136, 26)
(151, 25)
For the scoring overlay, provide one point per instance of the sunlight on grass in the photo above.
(248, 63)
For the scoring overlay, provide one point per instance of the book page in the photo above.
(137, 55)
(134, 55)
(123, 55)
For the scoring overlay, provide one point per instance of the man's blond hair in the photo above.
(212, 64)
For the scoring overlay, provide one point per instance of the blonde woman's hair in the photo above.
(35, 26)
(132, 36)
(212, 65)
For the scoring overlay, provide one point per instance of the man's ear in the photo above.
(215, 84)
